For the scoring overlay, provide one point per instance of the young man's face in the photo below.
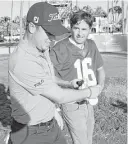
(80, 32)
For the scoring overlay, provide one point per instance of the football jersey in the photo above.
(71, 62)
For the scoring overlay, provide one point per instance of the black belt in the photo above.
(48, 123)
(16, 126)
(82, 102)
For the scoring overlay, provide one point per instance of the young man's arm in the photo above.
(100, 74)
(101, 77)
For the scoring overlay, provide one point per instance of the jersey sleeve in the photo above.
(98, 57)
(59, 56)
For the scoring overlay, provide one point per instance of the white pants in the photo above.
(80, 122)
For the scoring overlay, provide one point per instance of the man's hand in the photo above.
(59, 119)
(76, 83)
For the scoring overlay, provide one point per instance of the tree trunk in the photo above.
(126, 26)
(21, 16)
(11, 18)
(123, 17)
(28, 4)
(108, 16)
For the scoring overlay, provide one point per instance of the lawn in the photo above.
(110, 112)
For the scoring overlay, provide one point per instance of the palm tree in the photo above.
(100, 12)
(117, 12)
(75, 9)
(88, 9)
(5, 23)
(17, 20)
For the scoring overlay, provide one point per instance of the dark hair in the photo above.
(79, 16)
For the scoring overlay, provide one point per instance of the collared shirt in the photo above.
(31, 75)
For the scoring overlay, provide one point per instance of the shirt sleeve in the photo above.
(98, 58)
(33, 77)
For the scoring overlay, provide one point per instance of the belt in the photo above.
(48, 123)
(82, 102)
(16, 125)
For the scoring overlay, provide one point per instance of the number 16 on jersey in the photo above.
(83, 72)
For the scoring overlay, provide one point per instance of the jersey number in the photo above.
(83, 72)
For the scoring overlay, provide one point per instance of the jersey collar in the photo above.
(73, 42)
(84, 51)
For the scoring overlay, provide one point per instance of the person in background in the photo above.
(33, 88)
(77, 57)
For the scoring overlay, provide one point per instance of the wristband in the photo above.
(90, 92)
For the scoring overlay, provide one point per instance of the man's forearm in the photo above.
(60, 95)
(74, 95)
(62, 83)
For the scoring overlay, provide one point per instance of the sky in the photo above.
(5, 6)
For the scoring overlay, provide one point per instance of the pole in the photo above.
(112, 17)
(107, 6)
(76, 3)
(126, 27)
(122, 17)
(21, 16)
(71, 5)
(112, 12)
(28, 4)
(11, 18)
(108, 14)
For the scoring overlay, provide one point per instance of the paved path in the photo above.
(115, 65)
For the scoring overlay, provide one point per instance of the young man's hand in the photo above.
(95, 91)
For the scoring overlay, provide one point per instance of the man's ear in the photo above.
(31, 27)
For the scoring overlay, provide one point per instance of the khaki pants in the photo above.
(80, 122)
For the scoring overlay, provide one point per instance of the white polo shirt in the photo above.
(30, 73)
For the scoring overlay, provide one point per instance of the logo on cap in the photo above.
(36, 19)
(54, 16)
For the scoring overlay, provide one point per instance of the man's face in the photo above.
(41, 39)
(80, 32)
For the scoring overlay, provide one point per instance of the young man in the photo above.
(33, 90)
(77, 57)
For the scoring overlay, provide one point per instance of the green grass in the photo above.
(110, 114)
(111, 111)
